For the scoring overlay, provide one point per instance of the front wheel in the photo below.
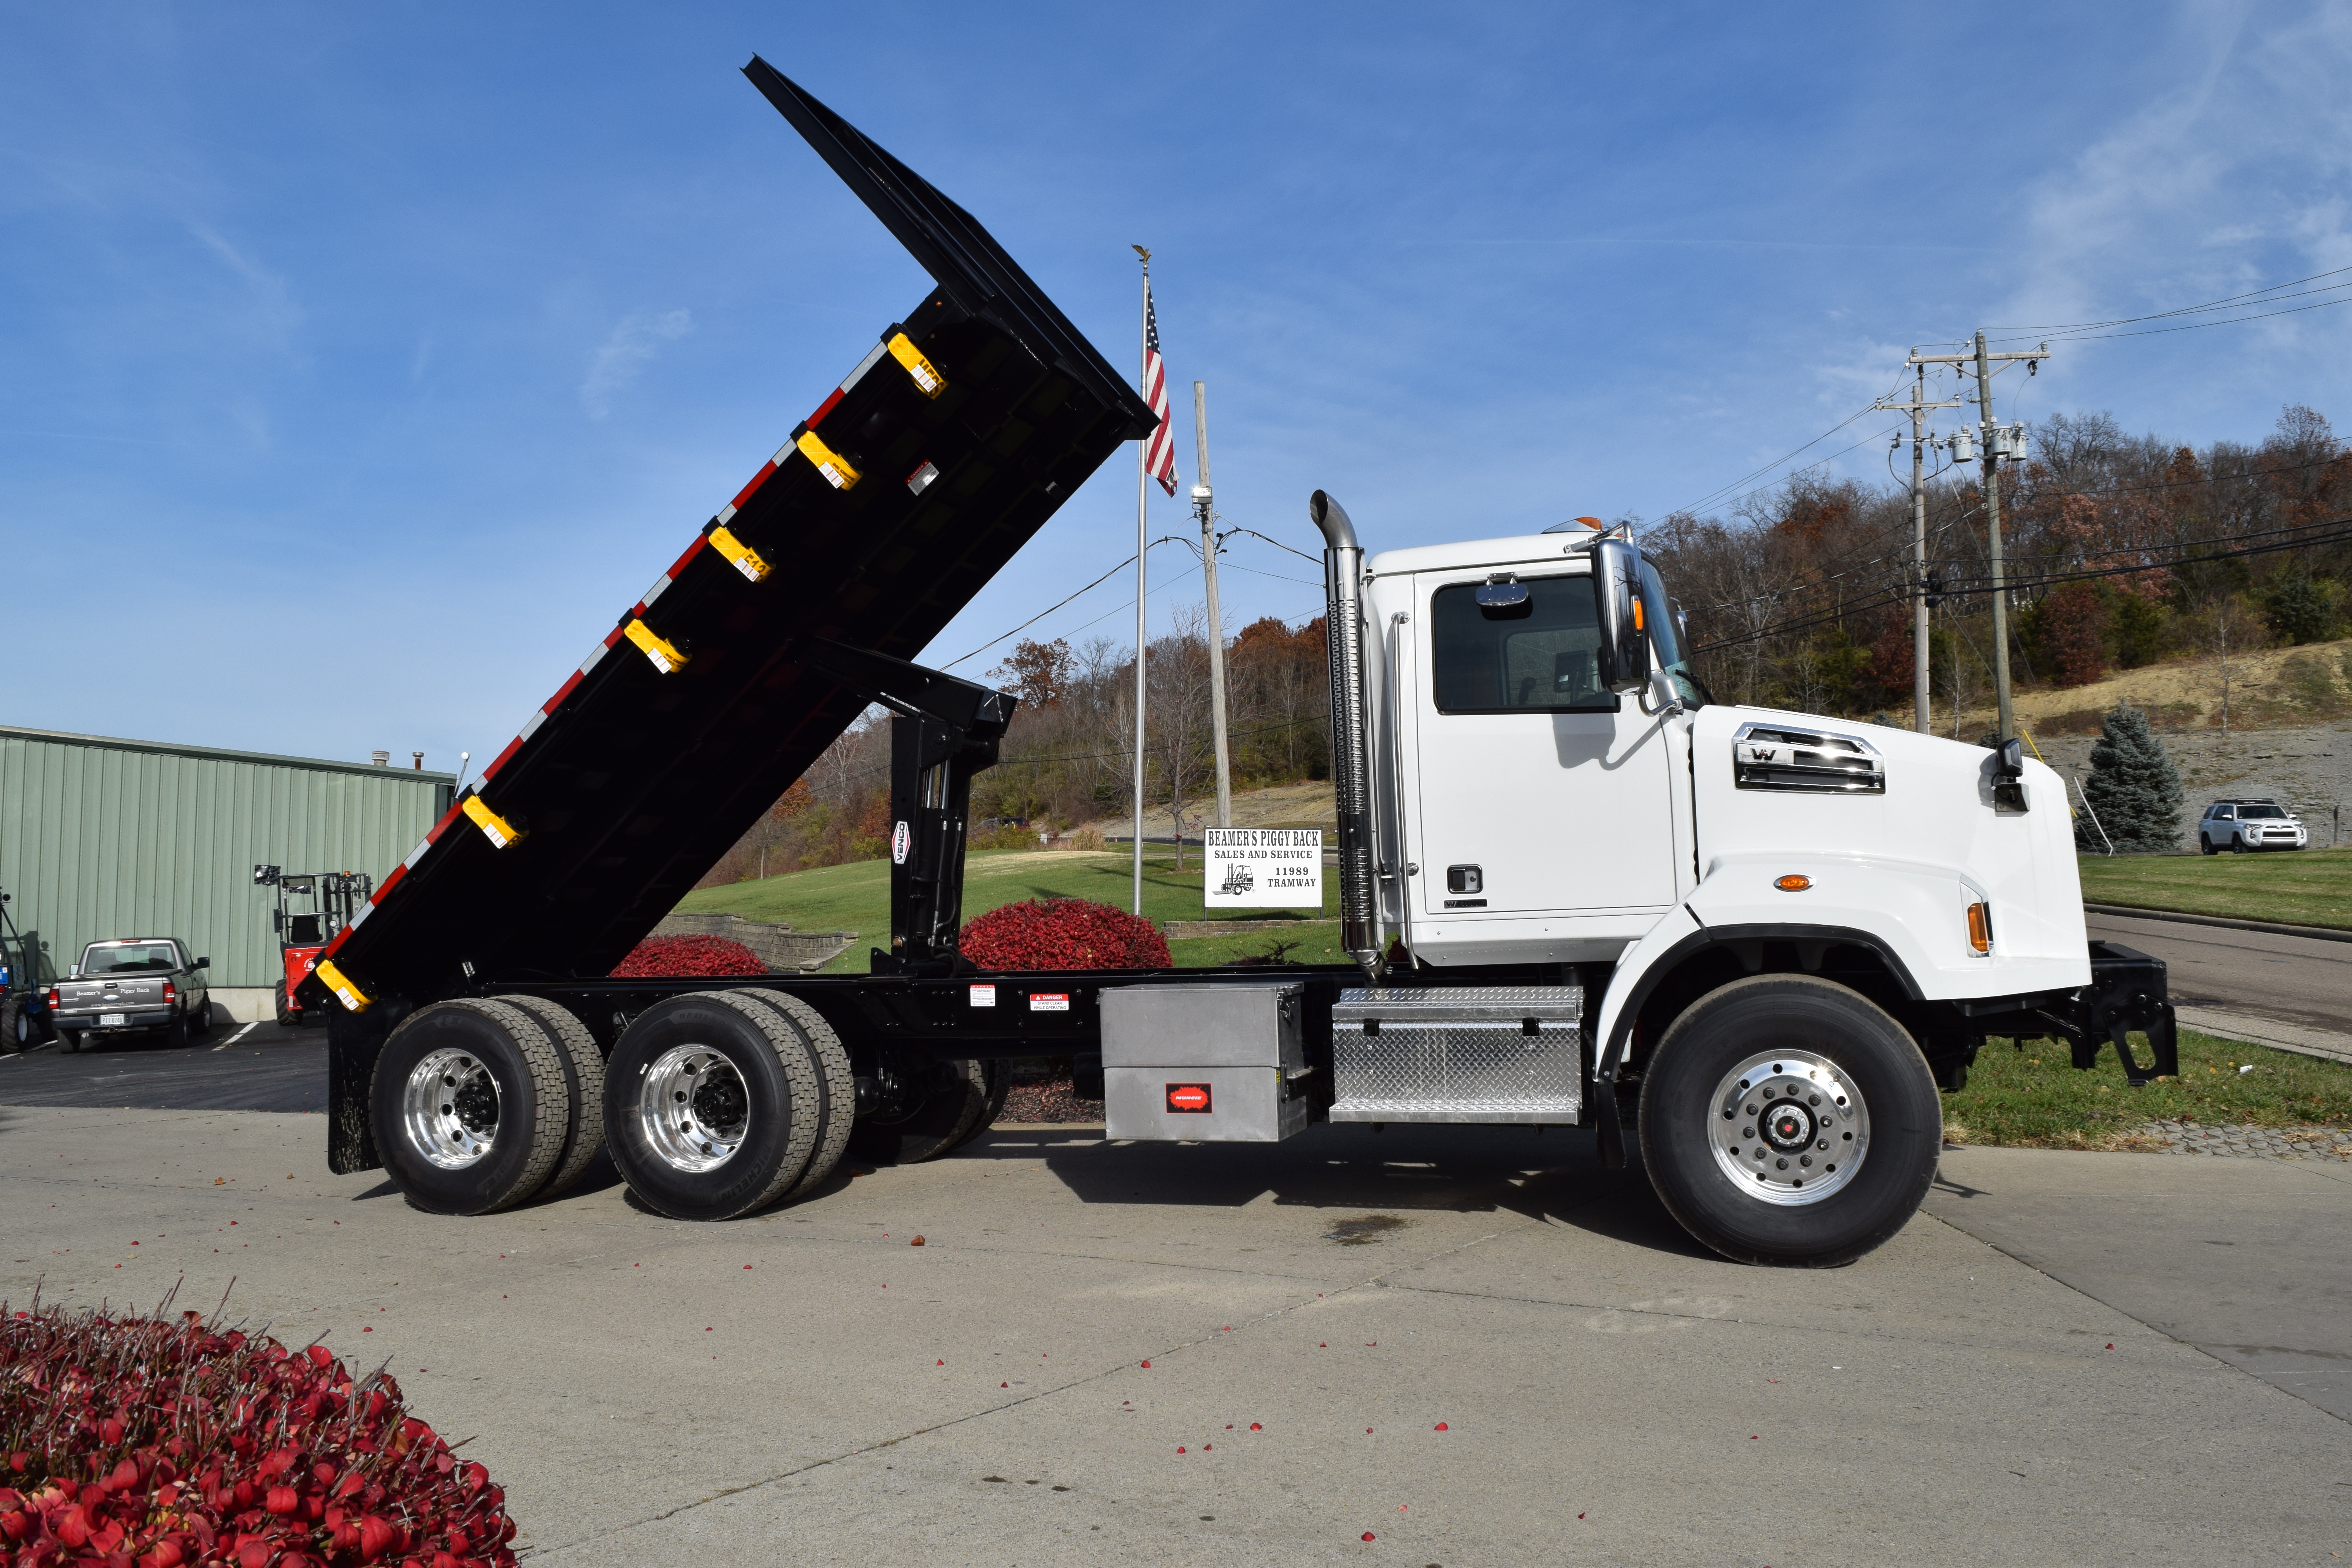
(285, 1010)
(2236, 846)
(1788, 1119)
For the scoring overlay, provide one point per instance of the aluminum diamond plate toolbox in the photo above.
(1495, 1053)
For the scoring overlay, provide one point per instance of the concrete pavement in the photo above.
(1611, 1392)
(2250, 1260)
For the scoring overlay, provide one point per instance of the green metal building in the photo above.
(100, 838)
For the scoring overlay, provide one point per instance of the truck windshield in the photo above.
(130, 958)
(1666, 636)
(1539, 659)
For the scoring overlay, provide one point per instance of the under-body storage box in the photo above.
(1485, 1054)
(1205, 1063)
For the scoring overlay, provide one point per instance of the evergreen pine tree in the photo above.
(2134, 787)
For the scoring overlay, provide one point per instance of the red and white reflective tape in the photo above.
(880, 351)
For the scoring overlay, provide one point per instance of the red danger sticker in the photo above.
(1188, 1099)
(1049, 1001)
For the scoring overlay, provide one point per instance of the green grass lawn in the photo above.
(2035, 1098)
(857, 897)
(2303, 887)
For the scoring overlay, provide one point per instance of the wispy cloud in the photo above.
(632, 346)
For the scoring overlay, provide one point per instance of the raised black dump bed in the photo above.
(911, 485)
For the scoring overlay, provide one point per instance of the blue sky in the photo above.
(363, 362)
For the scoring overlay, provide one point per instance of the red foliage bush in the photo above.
(1063, 934)
(164, 1442)
(668, 955)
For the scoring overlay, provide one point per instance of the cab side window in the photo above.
(1538, 657)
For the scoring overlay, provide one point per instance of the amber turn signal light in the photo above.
(1793, 883)
(1980, 928)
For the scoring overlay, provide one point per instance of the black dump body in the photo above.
(628, 784)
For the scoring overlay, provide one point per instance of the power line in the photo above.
(2273, 293)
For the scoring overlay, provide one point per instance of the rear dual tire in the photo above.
(474, 1106)
(719, 1103)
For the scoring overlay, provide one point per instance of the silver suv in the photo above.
(2238, 826)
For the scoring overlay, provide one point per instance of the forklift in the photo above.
(25, 1019)
(312, 907)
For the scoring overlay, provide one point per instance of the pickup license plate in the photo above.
(111, 1020)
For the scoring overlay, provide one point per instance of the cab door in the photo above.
(1539, 791)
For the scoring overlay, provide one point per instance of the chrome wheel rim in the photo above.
(450, 1107)
(694, 1108)
(1788, 1128)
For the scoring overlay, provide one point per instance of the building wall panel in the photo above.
(102, 837)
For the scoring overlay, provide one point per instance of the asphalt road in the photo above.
(235, 1067)
(2293, 979)
(1187, 1354)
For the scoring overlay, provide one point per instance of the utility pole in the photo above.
(1999, 441)
(1142, 513)
(1917, 408)
(1203, 501)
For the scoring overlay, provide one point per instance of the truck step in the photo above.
(1472, 1054)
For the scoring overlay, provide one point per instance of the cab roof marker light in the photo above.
(339, 984)
(664, 655)
(926, 377)
(741, 556)
(830, 463)
(496, 828)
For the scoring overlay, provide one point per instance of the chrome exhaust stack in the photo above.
(1352, 755)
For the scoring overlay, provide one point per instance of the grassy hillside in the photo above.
(2304, 886)
(858, 898)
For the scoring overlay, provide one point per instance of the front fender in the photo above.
(1913, 914)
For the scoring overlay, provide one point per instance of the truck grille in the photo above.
(1813, 761)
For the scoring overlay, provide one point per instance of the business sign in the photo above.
(1263, 869)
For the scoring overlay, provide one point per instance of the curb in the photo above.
(2322, 934)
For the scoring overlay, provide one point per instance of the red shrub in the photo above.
(166, 1441)
(666, 955)
(1063, 934)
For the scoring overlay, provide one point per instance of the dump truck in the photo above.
(1746, 947)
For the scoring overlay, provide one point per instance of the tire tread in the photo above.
(583, 1137)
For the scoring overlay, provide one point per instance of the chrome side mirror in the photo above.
(1617, 606)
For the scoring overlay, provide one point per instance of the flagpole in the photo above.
(1142, 511)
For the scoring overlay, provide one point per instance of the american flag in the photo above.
(1160, 452)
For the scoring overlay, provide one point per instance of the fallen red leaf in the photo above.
(1368, 1535)
(1256, 1427)
(1147, 1363)
(1440, 1425)
(917, 1242)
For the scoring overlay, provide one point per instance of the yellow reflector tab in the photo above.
(746, 559)
(1980, 928)
(666, 657)
(928, 379)
(339, 984)
(830, 463)
(495, 829)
